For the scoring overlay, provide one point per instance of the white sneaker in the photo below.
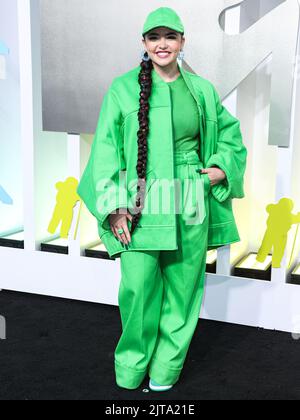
(154, 386)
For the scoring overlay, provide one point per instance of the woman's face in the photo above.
(164, 40)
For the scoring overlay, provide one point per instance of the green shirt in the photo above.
(185, 116)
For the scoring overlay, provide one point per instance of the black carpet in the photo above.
(59, 349)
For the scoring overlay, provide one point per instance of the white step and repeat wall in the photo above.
(63, 56)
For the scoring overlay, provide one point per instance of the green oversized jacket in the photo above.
(110, 178)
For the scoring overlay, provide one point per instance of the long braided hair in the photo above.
(145, 81)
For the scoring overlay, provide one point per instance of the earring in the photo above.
(181, 55)
(144, 56)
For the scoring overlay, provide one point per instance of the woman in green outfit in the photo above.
(163, 259)
(161, 316)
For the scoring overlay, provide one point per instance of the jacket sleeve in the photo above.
(230, 156)
(102, 186)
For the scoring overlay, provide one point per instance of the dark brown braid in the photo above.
(145, 81)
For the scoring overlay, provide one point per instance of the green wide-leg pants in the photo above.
(160, 293)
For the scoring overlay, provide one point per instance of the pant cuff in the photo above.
(162, 374)
(127, 377)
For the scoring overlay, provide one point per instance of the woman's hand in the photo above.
(215, 174)
(117, 221)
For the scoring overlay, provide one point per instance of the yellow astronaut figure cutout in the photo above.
(66, 200)
(279, 223)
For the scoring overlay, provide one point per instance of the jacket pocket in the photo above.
(206, 180)
(207, 184)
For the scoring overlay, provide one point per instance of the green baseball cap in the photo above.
(163, 16)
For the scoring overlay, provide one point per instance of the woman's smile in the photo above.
(162, 54)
